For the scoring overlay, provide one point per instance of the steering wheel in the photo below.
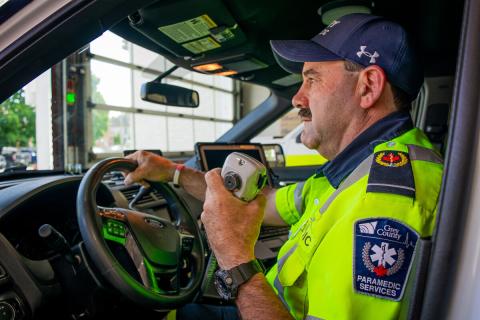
(160, 249)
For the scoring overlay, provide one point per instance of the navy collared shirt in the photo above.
(362, 146)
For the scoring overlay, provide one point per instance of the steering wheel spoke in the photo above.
(163, 280)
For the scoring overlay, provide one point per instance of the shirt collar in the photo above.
(362, 146)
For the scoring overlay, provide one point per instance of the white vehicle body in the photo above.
(296, 153)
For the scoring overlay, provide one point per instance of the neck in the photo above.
(355, 127)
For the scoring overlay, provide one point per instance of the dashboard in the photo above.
(27, 204)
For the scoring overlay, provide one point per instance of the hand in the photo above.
(232, 225)
(150, 167)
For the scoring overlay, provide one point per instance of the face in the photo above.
(326, 102)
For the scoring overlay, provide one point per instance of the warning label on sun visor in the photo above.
(201, 45)
(189, 30)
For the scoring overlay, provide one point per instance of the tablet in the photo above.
(213, 155)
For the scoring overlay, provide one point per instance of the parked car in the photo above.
(3, 162)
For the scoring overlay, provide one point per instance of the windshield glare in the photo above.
(88, 107)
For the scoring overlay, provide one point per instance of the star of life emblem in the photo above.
(383, 254)
(373, 56)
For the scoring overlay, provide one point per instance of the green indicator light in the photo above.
(71, 97)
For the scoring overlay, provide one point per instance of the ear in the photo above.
(371, 83)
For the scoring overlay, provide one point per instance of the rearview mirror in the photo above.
(168, 94)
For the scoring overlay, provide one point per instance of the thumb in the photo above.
(214, 180)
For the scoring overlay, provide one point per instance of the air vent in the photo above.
(153, 196)
(113, 178)
(146, 199)
(130, 193)
(157, 194)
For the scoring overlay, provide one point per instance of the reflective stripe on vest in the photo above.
(356, 175)
(423, 154)
(297, 194)
(276, 282)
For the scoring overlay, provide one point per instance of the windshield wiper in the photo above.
(16, 168)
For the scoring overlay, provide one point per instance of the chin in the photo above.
(309, 143)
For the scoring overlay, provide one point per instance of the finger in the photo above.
(133, 176)
(128, 179)
(257, 205)
(204, 217)
(144, 184)
(261, 200)
(134, 156)
(210, 198)
(214, 180)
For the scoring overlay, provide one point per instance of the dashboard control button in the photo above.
(116, 228)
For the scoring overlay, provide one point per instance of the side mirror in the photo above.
(168, 94)
(274, 154)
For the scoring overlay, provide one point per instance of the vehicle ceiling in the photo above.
(433, 24)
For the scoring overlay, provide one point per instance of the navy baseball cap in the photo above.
(361, 38)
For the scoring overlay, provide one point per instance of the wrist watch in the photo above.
(227, 282)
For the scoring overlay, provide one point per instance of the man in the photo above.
(356, 222)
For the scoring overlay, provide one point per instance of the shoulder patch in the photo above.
(383, 256)
(391, 172)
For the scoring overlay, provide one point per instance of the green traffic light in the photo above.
(71, 97)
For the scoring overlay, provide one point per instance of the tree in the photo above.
(100, 124)
(17, 121)
(100, 117)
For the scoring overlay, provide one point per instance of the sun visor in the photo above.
(196, 31)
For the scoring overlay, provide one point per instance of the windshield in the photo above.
(88, 107)
(10, 7)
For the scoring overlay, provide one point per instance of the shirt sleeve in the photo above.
(290, 201)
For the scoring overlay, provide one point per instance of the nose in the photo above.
(299, 100)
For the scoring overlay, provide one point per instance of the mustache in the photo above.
(304, 113)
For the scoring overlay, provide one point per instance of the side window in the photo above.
(280, 128)
(121, 120)
(287, 132)
(88, 107)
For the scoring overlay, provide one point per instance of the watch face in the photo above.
(224, 285)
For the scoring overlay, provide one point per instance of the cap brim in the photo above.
(291, 54)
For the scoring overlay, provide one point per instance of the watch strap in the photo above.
(227, 282)
(245, 271)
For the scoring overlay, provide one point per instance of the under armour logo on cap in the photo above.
(373, 57)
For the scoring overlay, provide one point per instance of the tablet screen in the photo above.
(213, 155)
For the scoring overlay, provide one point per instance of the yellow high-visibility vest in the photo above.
(350, 249)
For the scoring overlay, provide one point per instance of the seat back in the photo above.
(431, 109)
(415, 288)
